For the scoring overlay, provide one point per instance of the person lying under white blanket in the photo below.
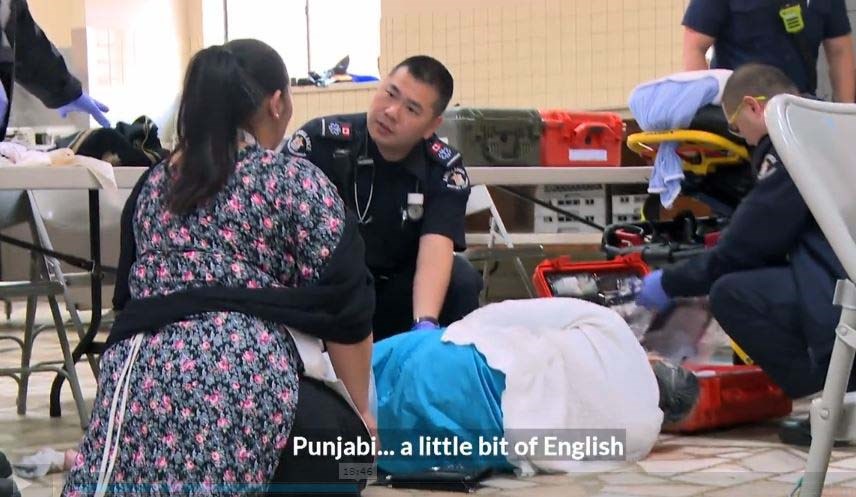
(519, 369)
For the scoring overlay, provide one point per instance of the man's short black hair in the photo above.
(755, 80)
(433, 73)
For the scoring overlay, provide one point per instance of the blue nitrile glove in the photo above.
(4, 103)
(652, 295)
(89, 105)
(425, 325)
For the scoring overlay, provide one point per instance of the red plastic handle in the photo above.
(551, 122)
(585, 129)
(629, 238)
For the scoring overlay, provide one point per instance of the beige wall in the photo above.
(523, 53)
(535, 53)
(130, 54)
(58, 18)
(538, 53)
(137, 51)
(341, 98)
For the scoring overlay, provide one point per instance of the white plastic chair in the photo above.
(480, 201)
(817, 146)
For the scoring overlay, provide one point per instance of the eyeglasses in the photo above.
(731, 127)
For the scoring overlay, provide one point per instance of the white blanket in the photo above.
(569, 364)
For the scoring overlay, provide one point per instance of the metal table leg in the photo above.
(607, 189)
(87, 344)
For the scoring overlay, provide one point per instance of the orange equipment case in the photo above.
(581, 138)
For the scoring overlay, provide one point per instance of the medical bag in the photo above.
(493, 137)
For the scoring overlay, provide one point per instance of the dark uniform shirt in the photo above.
(398, 202)
(772, 226)
(28, 57)
(753, 31)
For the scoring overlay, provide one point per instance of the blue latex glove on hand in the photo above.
(652, 295)
(424, 325)
(4, 102)
(89, 105)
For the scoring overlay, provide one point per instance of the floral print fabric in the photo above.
(212, 398)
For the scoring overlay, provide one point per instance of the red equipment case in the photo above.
(728, 394)
(630, 264)
(732, 395)
(581, 138)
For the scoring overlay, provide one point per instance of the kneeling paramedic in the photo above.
(772, 275)
(409, 190)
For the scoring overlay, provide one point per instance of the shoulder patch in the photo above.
(300, 144)
(442, 153)
(768, 166)
(335, 129)
(455, 178)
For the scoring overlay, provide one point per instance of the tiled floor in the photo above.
(742, 462)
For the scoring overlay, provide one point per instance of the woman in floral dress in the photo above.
(205, 404)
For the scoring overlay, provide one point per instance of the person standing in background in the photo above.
(784, 34)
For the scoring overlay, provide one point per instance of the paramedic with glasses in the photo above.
(772, 274)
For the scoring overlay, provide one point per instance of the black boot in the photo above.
(797, 431)
(5, 467)
(678, 390)
(8, 488)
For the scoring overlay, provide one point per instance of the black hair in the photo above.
(224, 86)
(433, 73)
(755, 80)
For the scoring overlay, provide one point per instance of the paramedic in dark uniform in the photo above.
(409, 190)
(743, 31)
(772, 275)
(29, 58)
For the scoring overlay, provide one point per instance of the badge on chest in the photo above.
(415, 208)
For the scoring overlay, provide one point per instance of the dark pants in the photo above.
(7, 484)
(760, 310)
(5, 467)
(394, 299)
(322, 415)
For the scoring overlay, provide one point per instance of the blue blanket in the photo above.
(427, 388)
